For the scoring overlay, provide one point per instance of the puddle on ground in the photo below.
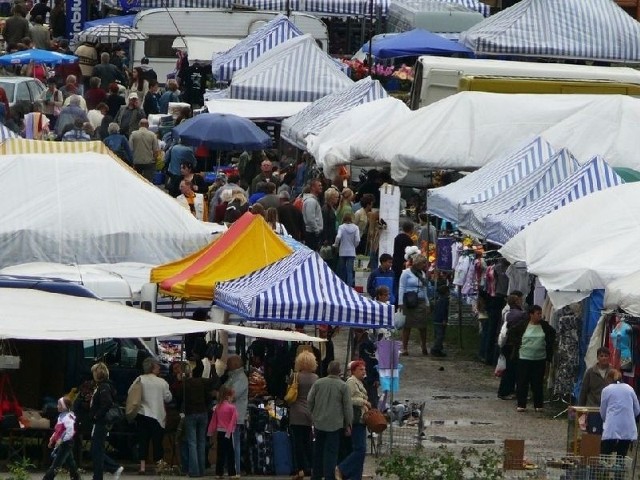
(470, 441)
(456, 397)
(450, 423)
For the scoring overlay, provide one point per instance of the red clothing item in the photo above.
(94, 96)
(224, 419)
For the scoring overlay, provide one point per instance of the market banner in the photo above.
(76, 16)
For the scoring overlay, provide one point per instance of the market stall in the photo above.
(301, 288)
(600, 30)
(472, 216)
(196, 276)
(294, 71)
(593, 241)
(249, 49)
(321, 113)
(591, 177)
(488, 181)
(69, 219)
(470, 129)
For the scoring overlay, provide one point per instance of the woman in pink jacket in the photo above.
(222, 424)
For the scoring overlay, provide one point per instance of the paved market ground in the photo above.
(462, 408)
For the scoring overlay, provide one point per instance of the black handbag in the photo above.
(410, 300)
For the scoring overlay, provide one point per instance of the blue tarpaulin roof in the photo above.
(321, 113)
(301, 288)
(126, 20)
(532, 187)
(294, 71)
(576, 29)
(413, 43)
(273, 33)
(488, 181)
(591, 177)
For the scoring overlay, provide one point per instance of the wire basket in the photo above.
(573, 467)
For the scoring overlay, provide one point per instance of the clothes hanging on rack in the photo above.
(568, 359)
(519, 278)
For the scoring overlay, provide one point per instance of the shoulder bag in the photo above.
(292, 391)
(134, 400)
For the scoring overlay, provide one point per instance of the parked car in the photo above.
(22, 89)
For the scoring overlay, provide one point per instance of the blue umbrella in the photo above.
(34, 55)
(222, 132)
(413, 43)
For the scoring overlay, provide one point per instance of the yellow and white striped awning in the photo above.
(20, 146)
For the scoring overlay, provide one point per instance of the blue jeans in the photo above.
(325, 455)
(101, 461)
(236, 445)
(196, 432)
(351, 467)
(345, 269)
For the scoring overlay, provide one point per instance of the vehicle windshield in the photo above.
(8, 88)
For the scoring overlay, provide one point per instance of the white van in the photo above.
(439, 77)
(447, 19)
(164, 25)
(109, 286)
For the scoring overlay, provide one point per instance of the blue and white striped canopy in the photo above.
(277, 31)
(301, 288)
(340, 7)
(488, 181)
(321, 113)
(294, 71)
(532, 187)
(576, 29)
(474, 5)
(591, 177)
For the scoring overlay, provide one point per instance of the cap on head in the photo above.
(133, 96)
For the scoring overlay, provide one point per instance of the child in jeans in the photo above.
(62, 442)
(222, 424)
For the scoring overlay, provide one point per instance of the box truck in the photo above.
(438, 77)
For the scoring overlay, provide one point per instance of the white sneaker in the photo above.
(117, 473)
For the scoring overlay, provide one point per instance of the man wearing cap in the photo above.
(129, 115)
(144, 145)
(291, 217)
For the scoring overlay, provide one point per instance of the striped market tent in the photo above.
(570, 29)
(146, 4)
(294, 71)
(474, 5)
(532, 187)
(300, 288)
(15, 146)
(273, 33)
(321, 113)
(488, 181)
(593, 176)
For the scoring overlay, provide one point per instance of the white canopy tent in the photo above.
(255, 108)
(624, 293)
(89, 208)
(331, 147)
(35, 315)
(584, 245)
(470, 129)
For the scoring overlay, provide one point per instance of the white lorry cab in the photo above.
(438, 77)
(164, 25)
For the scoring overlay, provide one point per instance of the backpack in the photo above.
(298, 202)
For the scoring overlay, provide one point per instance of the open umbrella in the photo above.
(222, 132)
(111, 33)
(35, 55)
